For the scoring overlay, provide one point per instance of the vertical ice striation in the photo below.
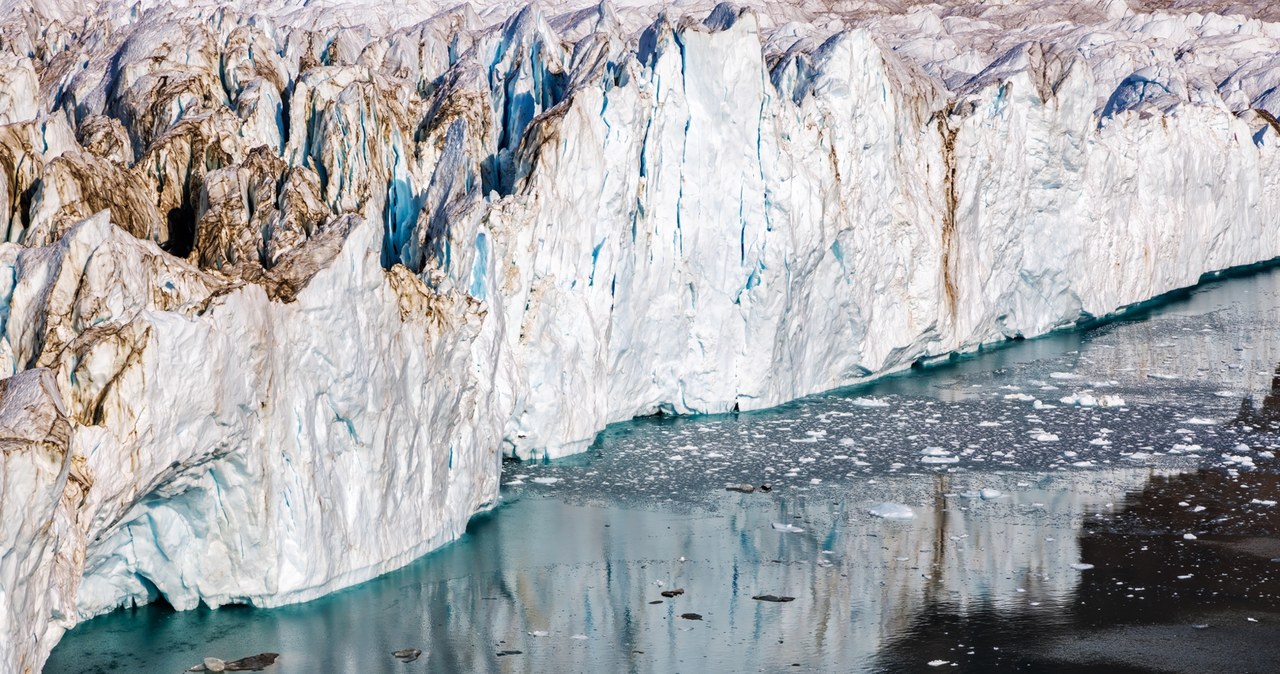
(288, 279)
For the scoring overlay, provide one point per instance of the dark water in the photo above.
(1009, 481)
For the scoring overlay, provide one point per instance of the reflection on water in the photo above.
(1015, 485)
(541, 564)
(1266, 417)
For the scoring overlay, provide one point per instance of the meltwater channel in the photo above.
(1099, 499)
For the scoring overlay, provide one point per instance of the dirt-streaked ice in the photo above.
(283, 280)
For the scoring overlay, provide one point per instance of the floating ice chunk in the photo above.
(1024, 397)
(579, 637)
(1063, 375)
(1198, 509)
(546, 480)
(787, 528)
(869, 402)
(988, 424)
(1086, 399)
(939, 663)
(1199, 421)
(539, 633)
(988, 493)
(1103, 442)
(1045, 437)
(940, 459)
(892, 511)
(1189, 575)
(1079, 399)
(513, 483)
(1242, 461)
(1188, 537)
(1166, 377)
(1081, 566)
(1226, 394)
(1262, 502)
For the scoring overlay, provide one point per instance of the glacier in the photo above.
(283, 282)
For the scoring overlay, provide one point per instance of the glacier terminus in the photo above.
(283, 282)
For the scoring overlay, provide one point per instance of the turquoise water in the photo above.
(1008, 485)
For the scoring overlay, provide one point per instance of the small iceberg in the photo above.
(892, 511)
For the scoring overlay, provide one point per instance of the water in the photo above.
(568, 569)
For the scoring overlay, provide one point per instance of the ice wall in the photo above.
(293, 277)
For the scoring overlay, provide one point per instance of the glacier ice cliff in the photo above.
(283, 281)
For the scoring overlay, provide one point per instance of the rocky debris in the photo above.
(253, 663)
(741, 488)
(210, 665)
(691, 616)
(509, 652)
(407, 654)
(673, 593)
(773, 598)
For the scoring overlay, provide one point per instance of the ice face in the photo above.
(299, 275)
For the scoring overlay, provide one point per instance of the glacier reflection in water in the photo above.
(1105, 448)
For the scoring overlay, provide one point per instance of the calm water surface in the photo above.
(1134, 532)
